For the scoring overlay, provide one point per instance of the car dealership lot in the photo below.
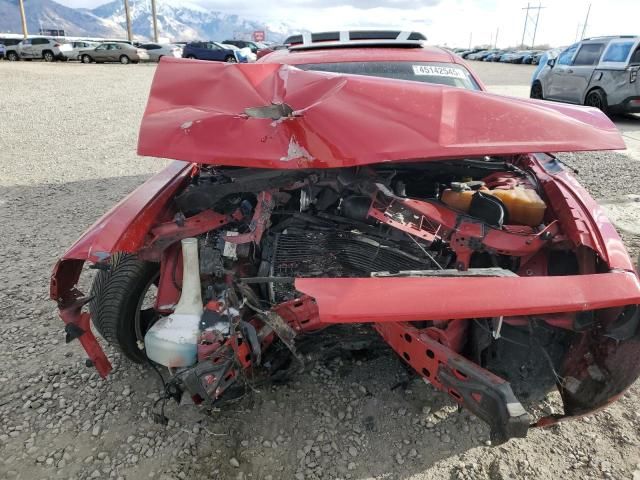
(67, 151)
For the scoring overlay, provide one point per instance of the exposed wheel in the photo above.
(191, 57)
(124, 60)
(85, 58)
(230, 59)
(122, 305)
(48, 56)
(536, 91)
(13, 57)
(597, 98)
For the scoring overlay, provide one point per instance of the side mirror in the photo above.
(551, 62)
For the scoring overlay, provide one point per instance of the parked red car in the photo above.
(363, 178)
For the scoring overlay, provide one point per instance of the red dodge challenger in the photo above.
(362, 178)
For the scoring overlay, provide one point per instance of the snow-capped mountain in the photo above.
(177, 21)
(49, 14)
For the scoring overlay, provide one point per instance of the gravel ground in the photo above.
(67, 150)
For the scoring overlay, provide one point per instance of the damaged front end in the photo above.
(486, 267)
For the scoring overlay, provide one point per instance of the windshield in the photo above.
(427, 72)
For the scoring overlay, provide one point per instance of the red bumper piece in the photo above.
(357, 300)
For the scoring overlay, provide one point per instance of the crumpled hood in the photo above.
(215, 113)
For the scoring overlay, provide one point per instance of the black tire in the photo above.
(536, 91)
(86, 58)
(116, 306)
(192, 57)
(48, 56)
(125, 60)
(230, 59)
(597, 99)
(13, 56)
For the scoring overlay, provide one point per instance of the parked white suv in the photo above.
(47, 49)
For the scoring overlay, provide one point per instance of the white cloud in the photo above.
(448, 22)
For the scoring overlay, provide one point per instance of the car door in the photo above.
(200, 50)
(25, 49)
(100, 53)
(581, 70)
(115, 51)
(214, 52)
(38, 45)
(555, 84)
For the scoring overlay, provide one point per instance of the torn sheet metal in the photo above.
(277, 116)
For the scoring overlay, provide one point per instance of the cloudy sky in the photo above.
(450, 22)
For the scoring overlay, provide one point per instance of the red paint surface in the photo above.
(354, 300)
(125, 226)
(196, 112)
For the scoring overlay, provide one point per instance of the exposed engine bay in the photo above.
(260, 231)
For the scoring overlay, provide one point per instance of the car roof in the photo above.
(368, 54)
(361, 54)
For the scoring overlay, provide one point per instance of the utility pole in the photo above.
(155, 21)
(128, 17)
(24, 19)
(584, 27)
(496, 41)
(535, 29)
(529, 18)
(470, 38)
(524, 30)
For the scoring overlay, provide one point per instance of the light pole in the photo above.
(155, 21)
(128, 17)
(24, 19)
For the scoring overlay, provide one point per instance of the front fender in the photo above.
(122, 229)
(125, 226)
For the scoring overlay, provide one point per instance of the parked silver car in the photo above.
(600, 72)
(47, 49)
(113, 52)
(76, 46)
(158, 50)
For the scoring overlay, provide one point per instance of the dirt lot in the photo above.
(67, 152)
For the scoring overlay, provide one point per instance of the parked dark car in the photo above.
(209, 51)
(515, 57)
(466, 53)
(244, 44)
(494, 56)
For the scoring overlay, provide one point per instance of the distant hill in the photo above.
(49, 14)
(177, 21)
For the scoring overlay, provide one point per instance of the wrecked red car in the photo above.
(363, 178)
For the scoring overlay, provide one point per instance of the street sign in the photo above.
(258, 36)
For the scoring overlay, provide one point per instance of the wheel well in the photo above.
(593, 90)
(538, 83)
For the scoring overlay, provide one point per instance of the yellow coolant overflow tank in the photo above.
(523, 205)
